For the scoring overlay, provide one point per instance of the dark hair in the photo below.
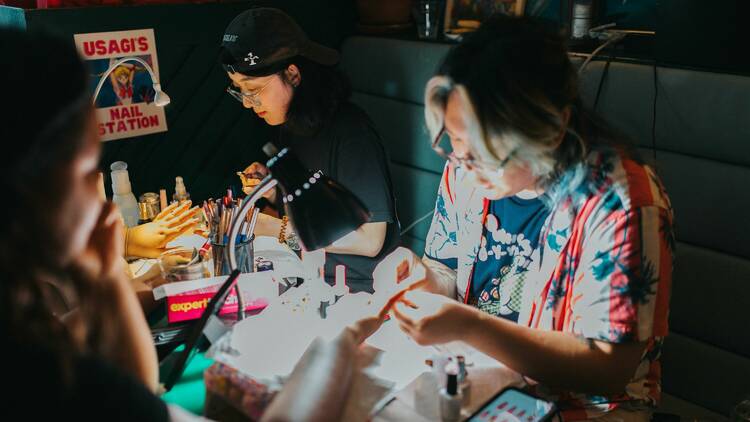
(42, 131)
(316, 99)
(520, 80)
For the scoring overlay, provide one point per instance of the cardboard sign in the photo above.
(124, 106)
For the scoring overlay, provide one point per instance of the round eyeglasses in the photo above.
(466, 161)
(251, 97)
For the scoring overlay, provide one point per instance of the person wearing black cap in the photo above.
(292, 82)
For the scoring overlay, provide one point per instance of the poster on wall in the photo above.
(125, 105)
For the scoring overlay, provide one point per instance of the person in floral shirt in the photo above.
(551, 244)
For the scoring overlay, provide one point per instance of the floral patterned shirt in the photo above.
(604, 270)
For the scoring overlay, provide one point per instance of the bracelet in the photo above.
(282, 231)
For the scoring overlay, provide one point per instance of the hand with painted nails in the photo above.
(150, 240)
(430, 318)
(360, 308)
(397, 273)
(252, 176)
(365, 327)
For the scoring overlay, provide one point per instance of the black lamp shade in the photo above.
(321, 210)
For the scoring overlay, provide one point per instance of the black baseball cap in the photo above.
(259, 38)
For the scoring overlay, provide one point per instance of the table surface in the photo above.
(407, 404)
(410, 403)
(420, 401)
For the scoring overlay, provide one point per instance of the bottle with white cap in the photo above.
(180, 192)
(123, 193)
(450, 396)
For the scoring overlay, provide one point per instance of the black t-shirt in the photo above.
(348, 150)
(97, 390)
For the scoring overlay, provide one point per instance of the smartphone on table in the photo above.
(514, 405)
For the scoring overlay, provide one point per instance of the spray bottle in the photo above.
(180, 193)
(123, 193)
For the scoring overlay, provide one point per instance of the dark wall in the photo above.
(691, 34)
(210, 135)
(632, 14)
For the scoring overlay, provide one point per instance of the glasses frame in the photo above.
(251, 97)
(468, 162)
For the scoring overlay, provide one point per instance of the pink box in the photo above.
(190, 305)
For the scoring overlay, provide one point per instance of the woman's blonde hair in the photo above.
(123, 71)
(485, 141)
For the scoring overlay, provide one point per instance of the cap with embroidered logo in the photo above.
(261, 37)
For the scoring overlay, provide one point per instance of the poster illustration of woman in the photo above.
(129, 83)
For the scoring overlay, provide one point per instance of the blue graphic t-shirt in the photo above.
(510, 241)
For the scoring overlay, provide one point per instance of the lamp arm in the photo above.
(264, 186)
(114, 65)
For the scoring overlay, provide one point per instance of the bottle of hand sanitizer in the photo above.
(123, 193)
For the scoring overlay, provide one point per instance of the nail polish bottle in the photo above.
(450, 396)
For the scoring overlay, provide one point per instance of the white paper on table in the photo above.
(268, 345)
(403, 359)
(271, 343)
